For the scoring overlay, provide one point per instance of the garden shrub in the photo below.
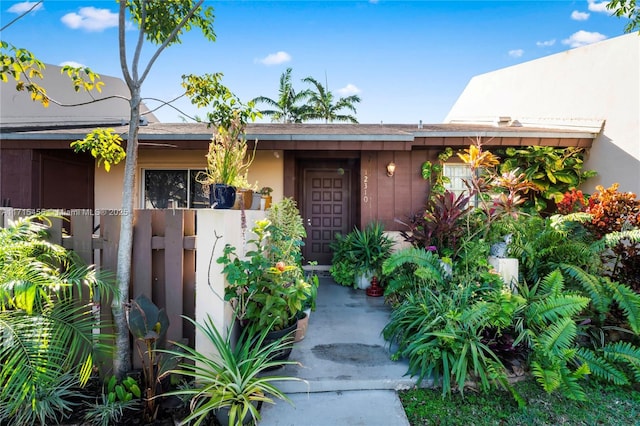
(574, 314)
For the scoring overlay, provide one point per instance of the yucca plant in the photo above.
(46, 319)
(232, 377)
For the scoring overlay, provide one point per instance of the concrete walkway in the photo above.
(349, 376)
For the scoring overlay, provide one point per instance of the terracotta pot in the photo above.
(303, 324)
(267, 201)
(243, 196)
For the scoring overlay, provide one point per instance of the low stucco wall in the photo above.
(216, 228)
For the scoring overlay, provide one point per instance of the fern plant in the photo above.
(617, 362)
(410, 269)
(548, 328)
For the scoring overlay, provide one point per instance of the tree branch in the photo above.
(123, 46)
(170, 39)
(140, 43)
(21, 16)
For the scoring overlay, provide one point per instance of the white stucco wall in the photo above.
(598, 81)
(216, 228)
(266, 170)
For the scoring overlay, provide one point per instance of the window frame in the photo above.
(191, 173)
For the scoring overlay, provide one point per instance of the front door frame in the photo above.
(294, 185)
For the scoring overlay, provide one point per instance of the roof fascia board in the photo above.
(509, 134)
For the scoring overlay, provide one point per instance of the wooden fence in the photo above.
(163, 260)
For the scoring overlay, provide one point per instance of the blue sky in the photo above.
(407, 60)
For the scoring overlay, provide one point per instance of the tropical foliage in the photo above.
(323, 106)
(289, 107)
(626, 9)
(360, 252)
(232, 378)
(316, 103)
(570, 317)
(48, 345)
(552, 171)
(264, 293)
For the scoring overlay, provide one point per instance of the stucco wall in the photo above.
(599, 81)
(266, 170)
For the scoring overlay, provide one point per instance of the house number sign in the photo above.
(365, 186)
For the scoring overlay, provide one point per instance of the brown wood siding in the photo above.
(393, 199)
(16, 177)
(66, 180)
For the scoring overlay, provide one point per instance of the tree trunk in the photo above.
(122, 357)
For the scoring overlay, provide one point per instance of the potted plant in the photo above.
(230, 383)
(359, 255)
(284, 244)
(266, 191)
(228, 158)
(264, 294)
(244, 192)
(308, 306)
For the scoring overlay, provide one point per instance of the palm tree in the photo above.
(323, 107)
(286, 108)
(47, 339)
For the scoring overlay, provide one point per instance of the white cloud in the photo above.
(72, 63)
(582, 38)
(579, 16)
(348, 90)
(596, 6)
(91, 19)
(546, 43)
(275, 58)
(516, 53)
(24, 6)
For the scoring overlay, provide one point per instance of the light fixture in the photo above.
(391, 169)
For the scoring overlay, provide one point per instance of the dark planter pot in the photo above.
(289, 335)
(222, 196)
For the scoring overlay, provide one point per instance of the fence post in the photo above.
(142, 277)
(82, 234)
(173, 270)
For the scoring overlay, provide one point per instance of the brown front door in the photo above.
(327, 207)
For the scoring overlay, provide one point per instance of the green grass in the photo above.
(605, 405)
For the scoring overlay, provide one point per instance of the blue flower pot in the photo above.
(222, 196)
